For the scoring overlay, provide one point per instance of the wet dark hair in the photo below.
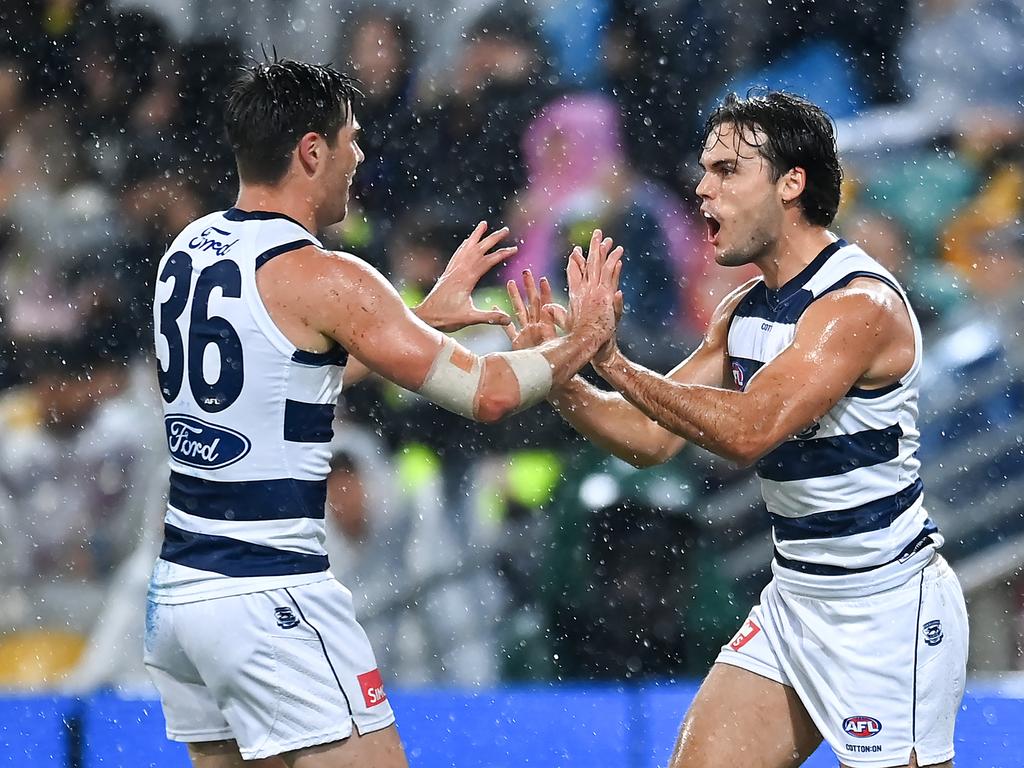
(797, 134)
(271, 105)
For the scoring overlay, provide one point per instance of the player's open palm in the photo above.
(449, 305)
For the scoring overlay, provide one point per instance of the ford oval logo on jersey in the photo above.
(195, 443)
(862, 726)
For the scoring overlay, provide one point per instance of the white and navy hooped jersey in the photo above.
(844, 495)
(247, 415)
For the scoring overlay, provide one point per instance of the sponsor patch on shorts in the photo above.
(373, 688)
(747, 633)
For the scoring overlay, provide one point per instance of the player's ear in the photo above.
(792, 184)
(310, 152)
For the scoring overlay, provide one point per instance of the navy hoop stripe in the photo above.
(308, 422)
(232, 557)
(872, 516)
(247, 501)
(828, 456)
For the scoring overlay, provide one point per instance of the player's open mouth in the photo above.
(713, 225)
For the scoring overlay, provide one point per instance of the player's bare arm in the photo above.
(320, 297)
(608, 419)
(857, 336)
(449, 305)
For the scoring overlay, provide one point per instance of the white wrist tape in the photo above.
(533, 372)
(452, 386)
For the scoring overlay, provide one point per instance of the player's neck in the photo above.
(254, 197)
(792, 252)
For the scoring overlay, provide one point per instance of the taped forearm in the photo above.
(455, 379)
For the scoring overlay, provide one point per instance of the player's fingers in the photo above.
(475, 235)
(618, 305)
(574, 270)
(494, 238)
(532, 297)
(500, 255)
(606, 246)
(494, 317)
(517, 302)
(613, 267)
(511, 332)
(546, 296)
(594, 259)
(557, 314)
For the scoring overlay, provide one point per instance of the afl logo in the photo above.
(738, 375)
(862, 726)
(196, 443)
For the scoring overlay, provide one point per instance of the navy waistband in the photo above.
(919, 542)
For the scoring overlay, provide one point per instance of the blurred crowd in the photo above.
(513, 551)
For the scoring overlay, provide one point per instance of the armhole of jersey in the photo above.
(260, 313)
(844, 281)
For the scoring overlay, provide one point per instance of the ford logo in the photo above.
(195, 443)
(862, 726)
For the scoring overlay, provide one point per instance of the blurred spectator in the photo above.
(985, 241)
(380, 47)
(662, 61)
(71, 456)
(958, 55)
(580, 178)
(466, 148)
(931, 287)
(866, 36)
(387, 533)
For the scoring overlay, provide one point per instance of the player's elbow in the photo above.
(493, 407)
(745, 451)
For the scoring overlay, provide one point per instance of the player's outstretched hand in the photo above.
(536, 322)
(449, 305)
(595, 301)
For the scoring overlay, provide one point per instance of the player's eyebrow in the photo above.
(719, 165)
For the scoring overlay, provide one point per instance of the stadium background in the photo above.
(530, 600)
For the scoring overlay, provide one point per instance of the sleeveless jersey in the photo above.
(844, 495)
(248, 417)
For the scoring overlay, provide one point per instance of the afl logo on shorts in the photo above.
(862, 726)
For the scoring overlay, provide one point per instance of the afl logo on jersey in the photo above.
(738, 375)
(196, 443)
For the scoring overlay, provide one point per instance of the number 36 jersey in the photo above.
(247, 417)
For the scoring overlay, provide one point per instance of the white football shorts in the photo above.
(275, 671)
(879, 674)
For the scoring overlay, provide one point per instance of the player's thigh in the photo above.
(380, 749)
(742, 719)
(224, 754)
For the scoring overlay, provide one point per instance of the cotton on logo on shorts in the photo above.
(372, 687)
(745, 635)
